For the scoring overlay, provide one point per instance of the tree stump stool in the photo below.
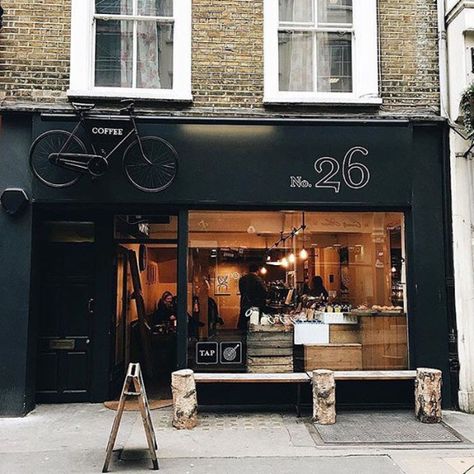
(428, 395)
(183, 387)
(324, 397)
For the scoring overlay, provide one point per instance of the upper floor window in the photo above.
(132, 48)
(321, 51)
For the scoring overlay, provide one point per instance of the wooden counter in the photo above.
(384, 341)
(270, 349)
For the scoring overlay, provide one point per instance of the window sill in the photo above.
(315, 100)
(99, 93)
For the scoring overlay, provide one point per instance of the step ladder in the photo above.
(133, 387)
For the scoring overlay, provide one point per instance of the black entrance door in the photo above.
(66, 310)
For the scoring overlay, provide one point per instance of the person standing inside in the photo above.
(317, 288)
(252, 294)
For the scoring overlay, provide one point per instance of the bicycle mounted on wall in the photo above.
(58, 158)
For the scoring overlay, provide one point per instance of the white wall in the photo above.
(460, 39)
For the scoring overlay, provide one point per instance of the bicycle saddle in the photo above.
(130, 104)
(81, 107)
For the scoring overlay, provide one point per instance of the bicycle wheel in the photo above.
(157, 171)
(47, 172)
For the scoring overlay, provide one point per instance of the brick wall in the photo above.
(34, 50)
(409, 55)
(227, 56)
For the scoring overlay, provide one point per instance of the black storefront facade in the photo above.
(226, 165)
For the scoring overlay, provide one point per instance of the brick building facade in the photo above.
(227, 59)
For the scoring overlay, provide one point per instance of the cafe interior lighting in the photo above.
(303, 254)
(282, 240)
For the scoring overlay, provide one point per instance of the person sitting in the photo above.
(317, 288)
(165, 310)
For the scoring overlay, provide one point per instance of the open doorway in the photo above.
(145, 320)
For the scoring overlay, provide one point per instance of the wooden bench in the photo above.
(296, 377)
(302, 378)
(372, 374)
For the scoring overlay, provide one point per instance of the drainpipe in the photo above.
(443, 60)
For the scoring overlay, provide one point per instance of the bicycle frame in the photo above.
(64, 159)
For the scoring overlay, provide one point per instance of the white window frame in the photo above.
(365, 88)
(82, 57)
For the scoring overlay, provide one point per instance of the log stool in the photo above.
(428, 395)
(324, 397)
(183, 387)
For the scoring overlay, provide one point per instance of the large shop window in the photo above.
(321, 51)
(132, 48)
(291, 291)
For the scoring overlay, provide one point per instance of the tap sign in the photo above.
(207, 353)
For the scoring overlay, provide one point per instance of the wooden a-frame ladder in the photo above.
(133, 386)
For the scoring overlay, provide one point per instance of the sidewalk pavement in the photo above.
(72, 438)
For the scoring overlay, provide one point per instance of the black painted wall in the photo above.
(17, 342)
(245, 165)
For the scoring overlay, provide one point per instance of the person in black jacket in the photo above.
(252, 294)
(165, 310)
(317, 288)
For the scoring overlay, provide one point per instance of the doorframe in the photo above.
(117, 371)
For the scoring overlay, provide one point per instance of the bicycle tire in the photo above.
(159, 173)
(49, 173)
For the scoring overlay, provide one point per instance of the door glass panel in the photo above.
(143, 227)
(68, 231)
(149, 321)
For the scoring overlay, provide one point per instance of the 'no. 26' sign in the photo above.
(355, 175)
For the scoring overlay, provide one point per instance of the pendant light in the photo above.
(303, 251)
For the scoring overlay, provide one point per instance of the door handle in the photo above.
(90, 306)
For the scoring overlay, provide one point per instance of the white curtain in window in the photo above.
(148, 38)
(299, 53)
(323, 52)
(147, 48)
(126, 49)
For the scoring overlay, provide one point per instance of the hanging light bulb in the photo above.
(268, 258)
(284, 262)
(303, 251)
(263, 271)
(292, 258)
